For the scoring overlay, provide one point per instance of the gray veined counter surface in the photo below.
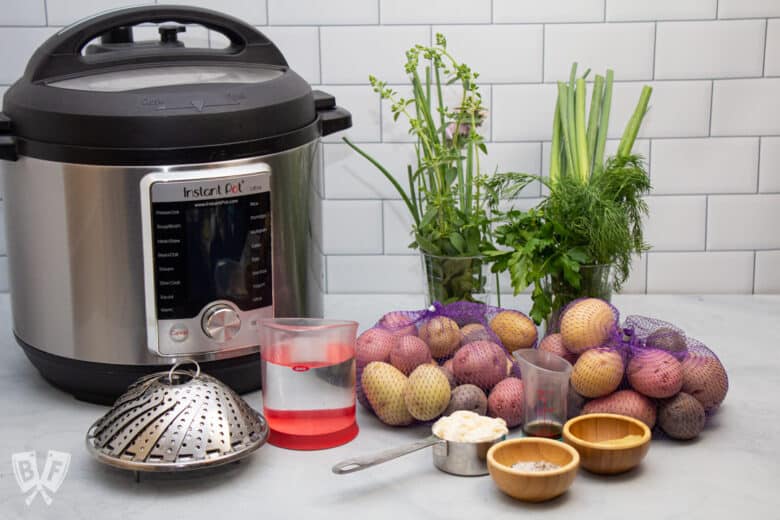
(732, 470)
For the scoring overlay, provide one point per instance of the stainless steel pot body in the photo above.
(75, 252)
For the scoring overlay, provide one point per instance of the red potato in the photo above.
(553, 343)
(450, 376)
(655, 373)
(473, 332)
(442, 336)
(624, 402)
(398, 323)
(409, 353)
(506, 401)
(705, 379)
(482, 363)
(374, 345)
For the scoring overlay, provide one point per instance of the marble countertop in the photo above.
(733, 468)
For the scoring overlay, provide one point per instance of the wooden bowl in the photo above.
(528, 485)
(587, 434)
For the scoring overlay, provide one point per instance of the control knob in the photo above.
(221, 323)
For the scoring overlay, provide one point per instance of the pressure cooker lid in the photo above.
(129, 102)
(125, 80)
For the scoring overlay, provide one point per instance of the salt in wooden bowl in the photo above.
(532, 486)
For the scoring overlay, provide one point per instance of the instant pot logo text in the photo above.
(228, 188)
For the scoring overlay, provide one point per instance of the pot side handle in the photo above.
(361, 463)
(331, 118)
(8, 150)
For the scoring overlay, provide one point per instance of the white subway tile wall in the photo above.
(705, 165)
(251, 11)
(28, 12)
(622, 11)
(625, 47)
(723, 272)
(317, 12)
(748, 8)
(434, 11)
(769, 172)
(767, 272)
(717, 49)
(743, 222)
(535, 11)
(711, 136)
(676, 223)
(772, 59)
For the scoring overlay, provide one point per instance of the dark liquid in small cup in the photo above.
(549, 429)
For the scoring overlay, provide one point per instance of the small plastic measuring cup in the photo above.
(545, 391)
(308, 367)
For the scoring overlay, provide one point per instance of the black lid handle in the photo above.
(61, 54)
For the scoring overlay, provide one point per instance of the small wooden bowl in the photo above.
(528, 485)
(587, 434)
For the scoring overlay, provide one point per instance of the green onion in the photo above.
(632, 128)
(601, 139)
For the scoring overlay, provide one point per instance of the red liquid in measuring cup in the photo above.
(309, 405)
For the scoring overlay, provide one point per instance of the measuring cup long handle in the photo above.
(360, 463)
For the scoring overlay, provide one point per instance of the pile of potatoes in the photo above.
(411, 372)
(660, 384)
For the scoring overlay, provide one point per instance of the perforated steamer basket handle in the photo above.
(184, 362)
(361, 463)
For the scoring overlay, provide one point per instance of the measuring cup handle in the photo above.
(361, 463)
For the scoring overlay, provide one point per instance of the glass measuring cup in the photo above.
(308, 371)
(545, 391)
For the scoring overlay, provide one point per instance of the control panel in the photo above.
(207, 259)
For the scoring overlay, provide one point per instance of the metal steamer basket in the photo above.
(174, 421)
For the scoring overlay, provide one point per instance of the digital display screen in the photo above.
(207, 250)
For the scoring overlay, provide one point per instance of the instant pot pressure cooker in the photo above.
(160, 200)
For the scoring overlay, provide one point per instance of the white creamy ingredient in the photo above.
(465, 426)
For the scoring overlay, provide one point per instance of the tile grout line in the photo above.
(460, 23)
(717, 9)
(319, 43)
(712, 103)
(758, 167)
(492, 12)
(378, 12)
(766, 34)
(604, 12)
(267, 14)
(706, 219)
(492, 109)
(755, 263)
(46, 12)
(655, 47)
(544, 46)
(382, 225)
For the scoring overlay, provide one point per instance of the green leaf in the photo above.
(578, 254)
(427, 245)
(458, 242)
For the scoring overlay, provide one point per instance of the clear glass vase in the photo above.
(597, 281)
(458, 278)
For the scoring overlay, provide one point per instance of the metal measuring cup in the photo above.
(466, 459)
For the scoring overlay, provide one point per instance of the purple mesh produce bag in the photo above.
(409, 339)
(669, 380)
